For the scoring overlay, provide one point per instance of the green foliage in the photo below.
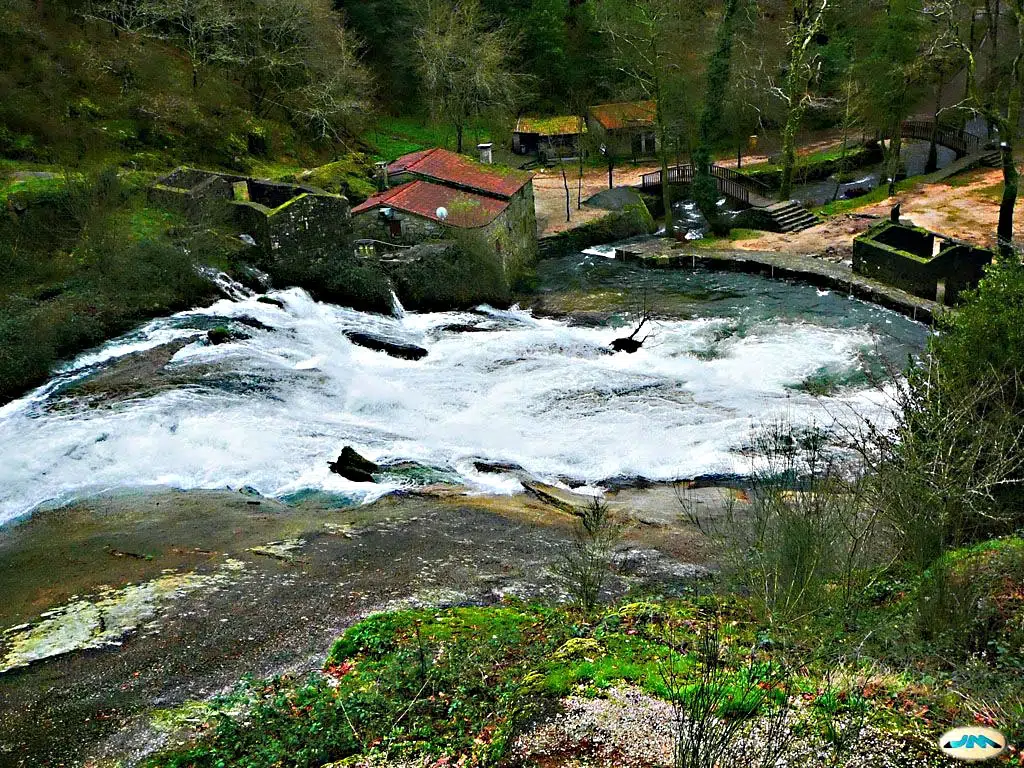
(351, 176)
(429, 682)
(85, 261)
(460, 274)
(971, 601)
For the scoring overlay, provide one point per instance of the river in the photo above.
(727, 352)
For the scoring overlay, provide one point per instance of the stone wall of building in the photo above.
(511, 238)
(901, 256)
(404, 229)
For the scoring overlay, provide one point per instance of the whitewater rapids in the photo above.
(270, 411)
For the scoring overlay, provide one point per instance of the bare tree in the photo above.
(995, 91)
(808, 22)
(933, 475)
(464, 63)
(719, 711)
(201, 27)
(649, 39)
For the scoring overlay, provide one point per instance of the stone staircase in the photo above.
(790, 216)
(993, 159)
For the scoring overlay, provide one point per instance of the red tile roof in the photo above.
(625, 114)
(453, 168)
(422, 198)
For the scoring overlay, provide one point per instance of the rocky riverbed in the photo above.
(123, 606)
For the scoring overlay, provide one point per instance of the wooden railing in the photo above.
(730, 182)
(960, 141)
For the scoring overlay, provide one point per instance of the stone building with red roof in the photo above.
(627, 128)
(432, 192)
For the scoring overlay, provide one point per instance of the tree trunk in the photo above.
(893, 164)
(1011, 179)
(611, 165)
(568, 197)
(579, 182)
(789, 151)
(666, 188)
(458, 138)
(932, 163)
(705, 187)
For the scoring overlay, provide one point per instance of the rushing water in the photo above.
(271, 410)
(914, 155)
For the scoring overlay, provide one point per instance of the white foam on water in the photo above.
(528, 391)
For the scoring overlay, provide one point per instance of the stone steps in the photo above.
(790, 216)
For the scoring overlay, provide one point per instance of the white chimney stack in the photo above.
(486, 153)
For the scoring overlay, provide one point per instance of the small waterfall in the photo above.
(396, 306)
(229, 287)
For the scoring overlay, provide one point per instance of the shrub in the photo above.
(585, 561)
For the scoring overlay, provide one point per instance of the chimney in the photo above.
(381, 171)
(486, 153)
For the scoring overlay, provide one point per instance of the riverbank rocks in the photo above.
(380, 344)
(222, 335)
(354, 467)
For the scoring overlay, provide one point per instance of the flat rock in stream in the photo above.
(566, 501)
(388, 346)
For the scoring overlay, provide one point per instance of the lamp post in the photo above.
(608, 157)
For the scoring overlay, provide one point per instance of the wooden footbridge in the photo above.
(736, 185)
(789, 216)
(957, 139)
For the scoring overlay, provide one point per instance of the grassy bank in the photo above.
(85, 259)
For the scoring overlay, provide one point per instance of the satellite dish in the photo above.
(442, 213)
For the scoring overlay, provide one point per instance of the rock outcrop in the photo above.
(354, 467)
(380, 344)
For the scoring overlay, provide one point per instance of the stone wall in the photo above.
(511, 239)
(631, 221)
(414, 229)
(957, 267)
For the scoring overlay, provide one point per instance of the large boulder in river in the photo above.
(354, 467)
(388, 346)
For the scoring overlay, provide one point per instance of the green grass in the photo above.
(822, 156)
(874, 197)
(735, 236)
(33, 186)
(393, 137)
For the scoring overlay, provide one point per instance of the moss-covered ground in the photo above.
(459, 684)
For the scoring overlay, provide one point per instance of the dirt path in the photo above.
(549, 187)
(967, 209)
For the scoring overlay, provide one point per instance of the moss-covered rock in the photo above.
(450, 275)
(351, 176)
